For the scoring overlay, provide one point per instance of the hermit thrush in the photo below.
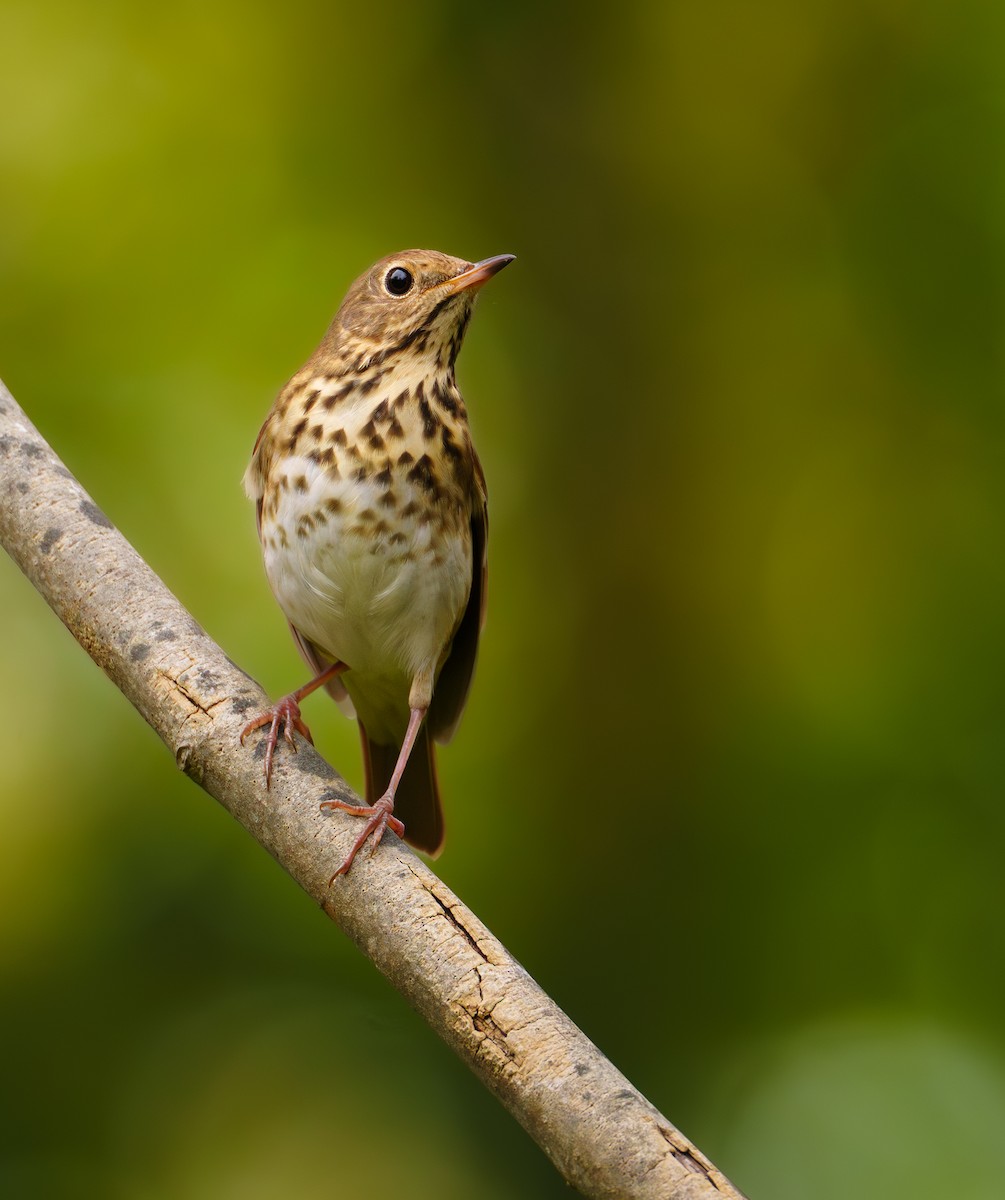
(372, 516)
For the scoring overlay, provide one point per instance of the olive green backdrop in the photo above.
(730, 781)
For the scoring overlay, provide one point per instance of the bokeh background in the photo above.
(730, 780)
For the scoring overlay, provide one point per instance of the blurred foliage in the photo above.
(730, 779)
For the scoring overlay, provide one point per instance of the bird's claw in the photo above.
(285, 715)
(379, 817)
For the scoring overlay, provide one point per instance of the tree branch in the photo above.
(604, 1137)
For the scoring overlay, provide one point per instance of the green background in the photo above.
(730, 779)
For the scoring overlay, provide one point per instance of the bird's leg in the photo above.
(379, 814)
(285, 714)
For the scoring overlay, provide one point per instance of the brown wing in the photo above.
(455, 675)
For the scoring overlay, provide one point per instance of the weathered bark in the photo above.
(605, 1138)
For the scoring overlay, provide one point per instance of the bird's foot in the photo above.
(379, 817)
(285, 715)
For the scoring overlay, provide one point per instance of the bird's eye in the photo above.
(398, 281)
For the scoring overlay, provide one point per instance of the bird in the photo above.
(372, 513)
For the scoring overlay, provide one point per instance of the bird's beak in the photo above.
(480, 273)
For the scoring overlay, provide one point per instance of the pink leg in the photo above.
(285, 713)
(380, 813)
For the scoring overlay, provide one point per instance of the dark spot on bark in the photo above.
(94, 514)
(49, 539)
(32, 450)
(166, 635)
(582, 1069)
(309, 762)
(139, 652)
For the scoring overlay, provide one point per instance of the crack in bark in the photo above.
(449, 911)
(493, 1039)
(185, 751)
(493, 1033)
(691, 1157)
(186, 694)
(484, 1023)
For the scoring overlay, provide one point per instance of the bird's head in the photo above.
(416, 302)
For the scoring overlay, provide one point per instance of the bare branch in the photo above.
(605, 1138)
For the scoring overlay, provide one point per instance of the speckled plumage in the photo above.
(372, 515)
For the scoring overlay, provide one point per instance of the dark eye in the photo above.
(398, 281)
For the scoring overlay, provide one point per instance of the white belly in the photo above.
(380, 591)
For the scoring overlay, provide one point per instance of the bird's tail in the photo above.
(417, 800)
